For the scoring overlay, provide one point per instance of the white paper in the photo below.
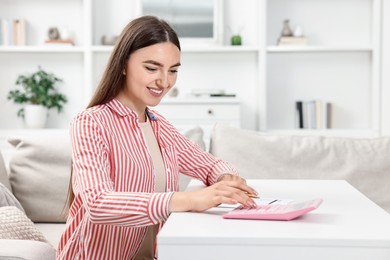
(260, 201)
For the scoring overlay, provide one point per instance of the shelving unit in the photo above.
(186, 113)
(309, 48)
(40, 49)
(341, 63)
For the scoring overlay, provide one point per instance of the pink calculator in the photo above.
(275, 212)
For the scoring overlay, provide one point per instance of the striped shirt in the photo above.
(114, 179)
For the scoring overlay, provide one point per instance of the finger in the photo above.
(252, 195)
(237, 195)
(225, 200)
(241, 184)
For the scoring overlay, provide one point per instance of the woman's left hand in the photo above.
(237, 178)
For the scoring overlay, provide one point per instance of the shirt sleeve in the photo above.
(93, 186)
(199, 164)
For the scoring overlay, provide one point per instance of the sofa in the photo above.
(34, 179)
(35, 174)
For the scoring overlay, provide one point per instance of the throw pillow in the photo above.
(40, 174)
(194, 134)
(8, 199)
(3, 173)
(14, 224)
(363, 162)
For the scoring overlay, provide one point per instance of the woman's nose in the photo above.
(163, 81)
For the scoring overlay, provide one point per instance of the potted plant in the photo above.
(38, 94)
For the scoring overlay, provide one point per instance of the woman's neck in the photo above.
(140, 111)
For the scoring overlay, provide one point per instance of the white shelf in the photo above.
(195, 48)
(341, 64)
(102, 48)
(219, 48)
(40, 49)
(200, 100)
(311, 48)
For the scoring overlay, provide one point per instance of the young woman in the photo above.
(127, 158)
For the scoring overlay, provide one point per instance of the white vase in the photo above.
(35, 116)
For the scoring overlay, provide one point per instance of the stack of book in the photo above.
(12, 32)
(313, 114)
(292, 40)
(60, 42)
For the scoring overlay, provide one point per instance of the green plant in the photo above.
(38, 88)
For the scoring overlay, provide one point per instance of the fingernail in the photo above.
(251, 203)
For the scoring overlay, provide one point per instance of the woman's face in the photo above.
(150, 74)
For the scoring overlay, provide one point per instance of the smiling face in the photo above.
(150, 73)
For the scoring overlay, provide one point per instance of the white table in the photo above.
(346, 226)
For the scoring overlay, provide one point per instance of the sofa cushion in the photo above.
(14, 224)
(363, 162)
(195, 134)
(3, 173)
(51, 231)
(26, 249)
(40, 173)
(8, 199)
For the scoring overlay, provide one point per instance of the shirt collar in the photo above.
(123, 110)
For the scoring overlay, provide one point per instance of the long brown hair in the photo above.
(139, 33)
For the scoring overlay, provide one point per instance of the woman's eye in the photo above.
(173, 71)
(150, 69)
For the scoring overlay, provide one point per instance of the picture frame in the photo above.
(181, 14)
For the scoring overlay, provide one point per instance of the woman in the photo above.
(127, 158)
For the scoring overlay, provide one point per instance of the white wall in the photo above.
(236, 72)
(386, 69)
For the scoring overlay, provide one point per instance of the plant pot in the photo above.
(35, 116)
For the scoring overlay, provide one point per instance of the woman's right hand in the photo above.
(228, 192)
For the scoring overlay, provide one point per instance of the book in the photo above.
(313, 114)
(305, 114)
(7, 32)
(299, 115)
(12, 32)
(328, 115)
(22, 32)
(319, 114)
(207, 92)
(19, 32)
(292, 40)
(60, 42)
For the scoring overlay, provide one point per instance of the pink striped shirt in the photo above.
(113, 181)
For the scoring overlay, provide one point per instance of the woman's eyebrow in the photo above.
(156, 63)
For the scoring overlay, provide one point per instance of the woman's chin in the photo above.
(154, 103)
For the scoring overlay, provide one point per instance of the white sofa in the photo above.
(363, 162)
(39, 167)
(34, 179)
(36, 170)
